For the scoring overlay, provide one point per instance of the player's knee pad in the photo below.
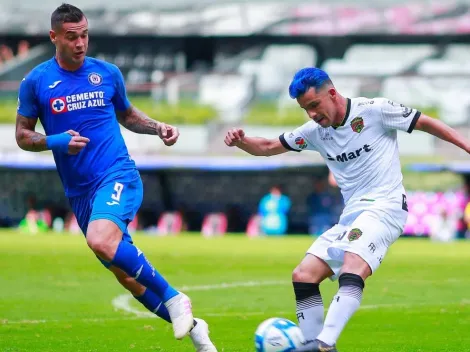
(348, 279)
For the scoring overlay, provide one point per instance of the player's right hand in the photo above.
(234, 137)
(77, 143)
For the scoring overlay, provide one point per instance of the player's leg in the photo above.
(114, 205)
(306, 279)
(362, 249)
(348, 298)
(199, 333)
(145, 296)
(82, 207)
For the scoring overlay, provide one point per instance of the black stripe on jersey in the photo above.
(413, 123)
(286, 145)
(348, 110)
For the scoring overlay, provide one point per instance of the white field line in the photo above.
(123, 303)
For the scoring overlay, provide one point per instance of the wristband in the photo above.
(59, 142)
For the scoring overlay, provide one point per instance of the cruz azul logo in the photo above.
(95, 79)
(58, 105)
(74, 102)
(346, 156)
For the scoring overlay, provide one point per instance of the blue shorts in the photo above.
(116, 198)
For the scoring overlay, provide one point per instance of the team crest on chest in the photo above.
(95, 79)
(58, 105)
(357, 124)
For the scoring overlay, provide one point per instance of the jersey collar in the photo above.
(345, 118)
(70, 72)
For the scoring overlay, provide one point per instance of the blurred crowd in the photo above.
(324, 205)
(7, 53)
(440, 216)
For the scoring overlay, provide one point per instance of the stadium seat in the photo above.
(229, 94)
(253, 229)
(46, 216)
(348, 86)
(214, 224)
(378, 60)
(420, 91)
(454, 61)
(71, 224)
(170, 223)
(410, 91)
(279, 63)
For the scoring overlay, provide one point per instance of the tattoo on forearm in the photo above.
(36, 140)
(136, 121)
(32, 141)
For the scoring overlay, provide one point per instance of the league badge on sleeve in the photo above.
(301, 143)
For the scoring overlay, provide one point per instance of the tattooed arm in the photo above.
(26, 137)
(136, 121)
(69, 142)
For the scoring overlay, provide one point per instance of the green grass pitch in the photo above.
(55, 296)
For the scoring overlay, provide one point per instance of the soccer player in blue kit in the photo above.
(80, 102)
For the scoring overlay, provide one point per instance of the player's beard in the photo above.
(73, 59)
(323, 120)
(78, 57)
(69, 58)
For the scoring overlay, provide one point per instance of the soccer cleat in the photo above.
(200, 337)
(316, 346)
(179, 308)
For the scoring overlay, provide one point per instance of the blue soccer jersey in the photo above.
(86, 101)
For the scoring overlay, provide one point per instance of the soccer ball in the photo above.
(278, 335)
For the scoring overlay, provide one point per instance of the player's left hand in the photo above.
(168, 134)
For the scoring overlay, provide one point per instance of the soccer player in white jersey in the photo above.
(358, 140)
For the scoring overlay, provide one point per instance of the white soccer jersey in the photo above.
(362, 153)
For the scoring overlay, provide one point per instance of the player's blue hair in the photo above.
(306, 78)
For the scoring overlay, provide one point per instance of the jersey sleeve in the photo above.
(398, 116)
(120, 100)
(299, 139)
(28, 104)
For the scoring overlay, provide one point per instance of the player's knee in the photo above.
(98, 246)
(311, 270)
(102, 240)
(354, 264)
(101, 246)
(298, 275)
(302, 274)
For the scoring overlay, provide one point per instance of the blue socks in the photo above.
(133, 262)
(154, 304)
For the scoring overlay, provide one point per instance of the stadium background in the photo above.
(207, 66)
